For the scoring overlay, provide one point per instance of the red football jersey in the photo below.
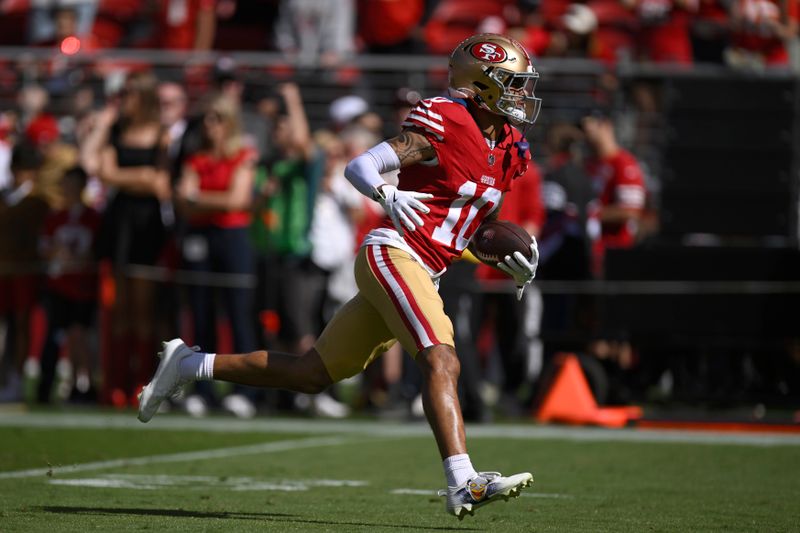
(619, 178)
(467, 179)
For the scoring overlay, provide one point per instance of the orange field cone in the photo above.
(570, 400)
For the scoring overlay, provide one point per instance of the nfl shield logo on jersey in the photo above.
(491, 160)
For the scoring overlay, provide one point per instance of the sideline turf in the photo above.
(579, 486)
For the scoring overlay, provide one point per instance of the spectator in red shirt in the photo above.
(618, 180)
(214, 193)
(526, 23)
(613, 223)
(609, 29)
(388, 26)
(452, 21)
(186, 24)
(761, 29)
(120, 23)
(66, 243)
(663, 35)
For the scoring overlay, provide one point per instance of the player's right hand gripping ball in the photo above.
(508, 247)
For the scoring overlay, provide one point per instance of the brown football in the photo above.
(495, 239)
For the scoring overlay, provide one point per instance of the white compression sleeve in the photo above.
(364, 172)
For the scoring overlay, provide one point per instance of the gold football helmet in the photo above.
(497, 74)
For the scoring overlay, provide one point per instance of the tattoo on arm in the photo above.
(411, 147)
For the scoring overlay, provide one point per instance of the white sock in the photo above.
(458, 469)
(198, 367)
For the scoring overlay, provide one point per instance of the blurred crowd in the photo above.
(141, 213)
(740, 33)
(137, 207)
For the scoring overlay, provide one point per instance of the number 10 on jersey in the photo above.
(453, 226)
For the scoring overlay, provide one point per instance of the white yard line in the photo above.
(415, 492)
(192, 483)
(547, 495)
(392, 429)
(434, 493)
(243, 484)
(201, 455)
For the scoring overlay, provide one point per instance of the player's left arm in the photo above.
(520, 268)
(495, 214)
(467, 254)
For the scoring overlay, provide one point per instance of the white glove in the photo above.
(402, 206)
(520, 268)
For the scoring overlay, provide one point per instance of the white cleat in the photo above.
(166, 381)
(484, 488)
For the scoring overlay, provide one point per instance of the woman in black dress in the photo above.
(133, 165)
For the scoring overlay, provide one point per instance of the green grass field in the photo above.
(107, 472)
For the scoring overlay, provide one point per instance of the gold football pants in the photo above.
(397, 300)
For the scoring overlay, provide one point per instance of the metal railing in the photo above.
(179, 276)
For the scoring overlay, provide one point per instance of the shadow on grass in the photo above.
(270, 517)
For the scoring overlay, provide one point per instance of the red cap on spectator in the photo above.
(42, 130)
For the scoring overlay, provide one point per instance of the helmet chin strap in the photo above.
(468, 94)
(481, 103)
(459, 93)
(525, 131)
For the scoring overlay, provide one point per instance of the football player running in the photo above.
(457, 157)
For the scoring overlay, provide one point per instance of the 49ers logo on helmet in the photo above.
(486, 51)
